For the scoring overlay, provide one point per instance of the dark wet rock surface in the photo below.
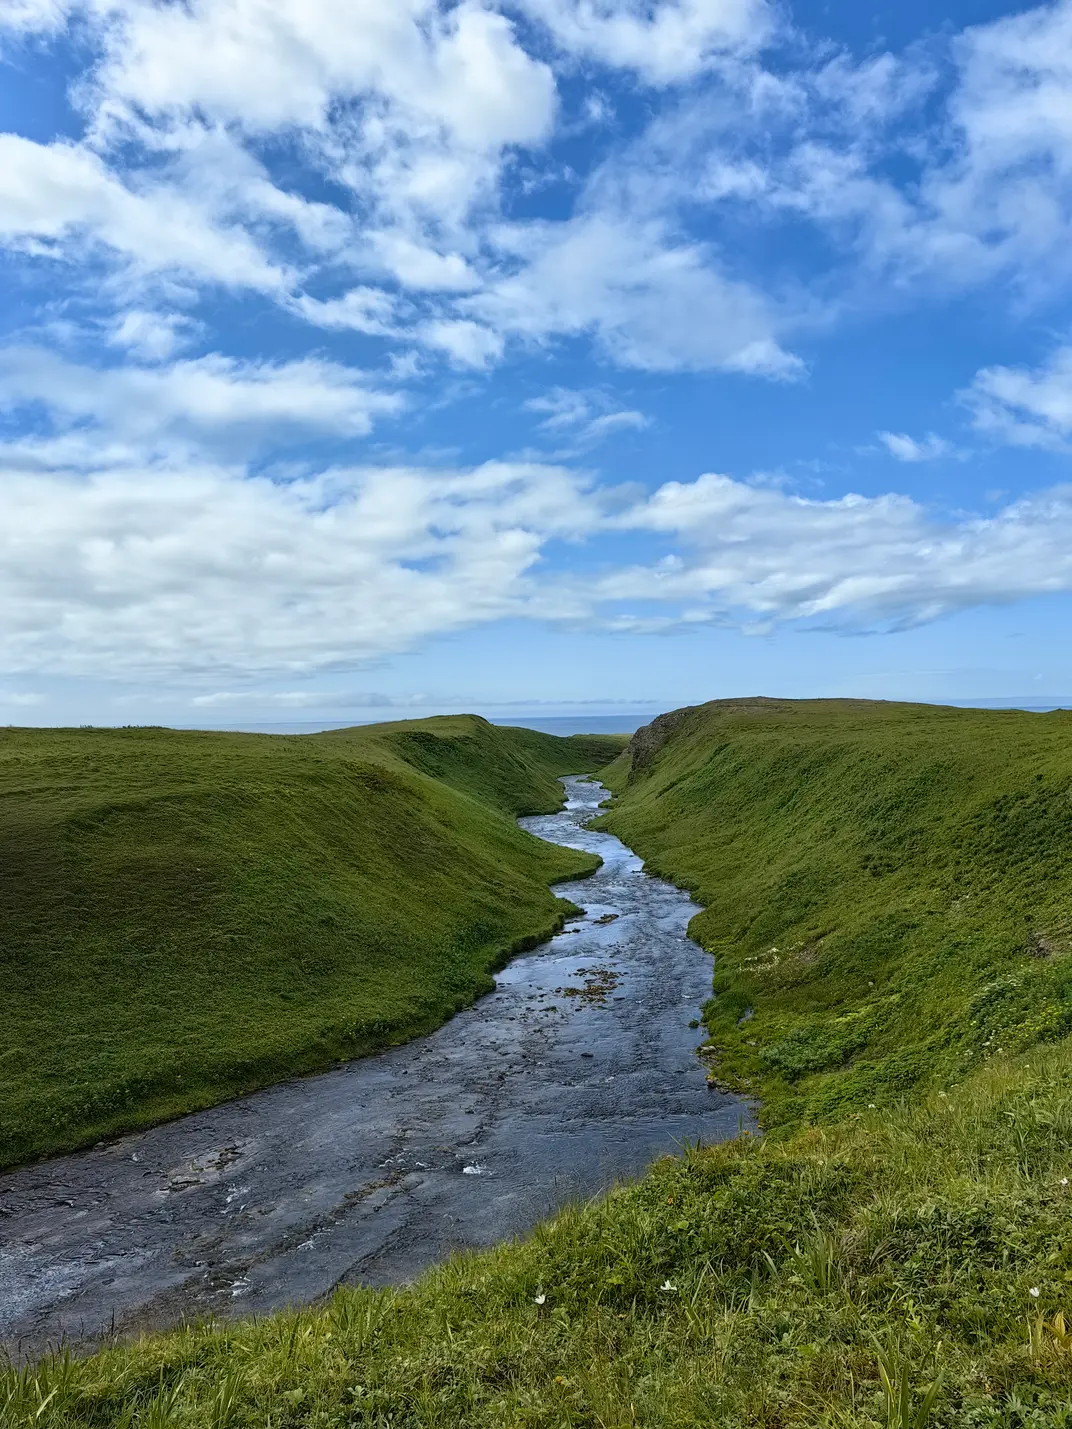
(578, 1070)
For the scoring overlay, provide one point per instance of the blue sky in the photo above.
(554, 355)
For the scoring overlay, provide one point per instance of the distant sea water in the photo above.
(546, 724)
(580, 723)
(583, 724)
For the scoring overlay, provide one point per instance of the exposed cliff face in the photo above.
(646, 743)
(649, 740)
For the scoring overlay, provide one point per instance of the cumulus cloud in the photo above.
(204, 400)
(411, 106)
(53, 194)
(1008, 187)
(151, 335)
(410, 113)
(664, 43)
(179, 571)
(370, 169)
(905, 448)
(183, 569)
(649, 302)
(362, 309)
(269, 64)
(777, 556)
(1024, 406)
(466, 343)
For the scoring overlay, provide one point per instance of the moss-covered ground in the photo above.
(887, 890)
(189, 915)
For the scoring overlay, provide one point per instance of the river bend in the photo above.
(579, 1069)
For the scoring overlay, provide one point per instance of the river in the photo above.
(578, 1070)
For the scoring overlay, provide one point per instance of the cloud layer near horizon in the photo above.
(183, 572)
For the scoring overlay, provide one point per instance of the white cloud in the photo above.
(994, 190)
(906, 448)
(204, 399)
(412, 105)
(1009, 187)
(270, 64)
(585, 417)
(466, 343)
(361, 309)
(421, 268)
(185, 570)
(57, 194)
(665, 42)
(182, 571)
(308, 699)
(943, 167)
(34, 15)
(152, 336)
(649, 302)
(413, 109)
(1031, 408)
(750, 551)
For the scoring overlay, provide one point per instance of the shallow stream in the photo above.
(578, 1070)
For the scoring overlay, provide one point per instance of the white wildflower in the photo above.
(667, 1285)
(1064, 1180)
(1034, 1292)
(541, 1299)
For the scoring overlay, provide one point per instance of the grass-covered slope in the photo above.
(887, 888)
(906, 1265)
(878, 1274)
(187, 915)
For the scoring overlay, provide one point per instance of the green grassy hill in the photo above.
(887, 890)
(189, 915)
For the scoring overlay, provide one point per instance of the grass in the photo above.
(905, 1264)
(887, 889)
(189, 915)
(874, 1273)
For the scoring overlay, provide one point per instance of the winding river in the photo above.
(579, 1069)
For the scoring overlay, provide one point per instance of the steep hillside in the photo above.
(887, 888)
(187, 915)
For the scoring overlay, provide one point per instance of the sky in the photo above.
(563, 357)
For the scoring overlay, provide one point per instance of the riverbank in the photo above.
(190, 916)
(845, 1277)
(577, 1071)
(886, 888)
(905, 1263)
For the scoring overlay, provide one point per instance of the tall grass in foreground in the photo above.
(905, 1268)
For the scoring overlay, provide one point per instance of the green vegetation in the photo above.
(887, 888)
(189, 915)
(888, 893)
(849, 1276)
